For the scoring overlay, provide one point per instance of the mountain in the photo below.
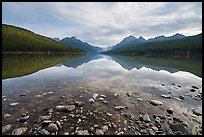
(128, 40)
(162, 37)
(76, 43)
(56, 39)
(132, 40)
(16, 39)
(172, 45)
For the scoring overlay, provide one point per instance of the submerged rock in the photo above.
(156, 102)
(19, 131)
(6, 128)
(170, 110)
(91, 100)
(14, 104)
(67, 108)
(166, 96)
(196, 112)
(95, 95)
(6, 115)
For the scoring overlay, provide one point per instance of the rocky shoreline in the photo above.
(107, 114)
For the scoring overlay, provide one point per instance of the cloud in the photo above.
(105, 23)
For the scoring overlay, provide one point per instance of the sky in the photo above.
(105, 24)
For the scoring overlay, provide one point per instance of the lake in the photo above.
(121, 88)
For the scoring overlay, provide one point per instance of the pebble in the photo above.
(109, 114)
(101, 99)
(166, 96)
(23, 119)
(185, 124)
(44, 132)
(119, 107)
(79, 103)
(45, 117)
(59, 124)
(192, 90)
(103, 96)
(66, 133)
(6, 128)
(52, 127)
(47, 121)
(116, 95)
(91, 129)
(146, 118)
(14, 104)
(99, 132)
(195, 87)
(67, 108)
(91, 100)
(23, 94)
(181, 97)
(170, 110)
(128, 94)
(151, 132)
(6, 115)
(139, 99)
(155, 128)
(19, 131)
(156, 102)
(196, 112)
(104, 128)
(157, 120)
(83, 132)
(95, 95)
(120, 133)
(125, 122)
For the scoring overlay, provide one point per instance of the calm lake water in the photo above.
(51, 80)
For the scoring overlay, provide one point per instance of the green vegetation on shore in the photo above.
(14, 65)
(191, 43)
(15, 39)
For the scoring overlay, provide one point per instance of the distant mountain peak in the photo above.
(141, 38)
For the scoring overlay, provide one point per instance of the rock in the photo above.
(45, 117)
(162, 84)
(155, 128)
(23, 119)
(192, 90)
(66, 133)
(46, 122)
(14, 104)
(91, 100)
(105, 102)
(196, 112)
(166, 96)
(95, 126)
(178, 127)
(104, 128)
(157, 120)
(143, 131)
(119, 107)
(101, 99)
(83, 132)
(6, 128)
(103, 96)
(128, 94)
(194, 87)
(44, 132)
(50, 110)
(139, 99)
(109, 114)
(59, 124)
(67, 108)
(6, 115)
(19, 131)
(52, 127)
(156, 102)
(94, 96)
(99, 132)
(151, 132)
(185, 124)
(79, 103)
(125, 122)
(194, 130)
(23, 94)
(146, 118)
(181, 97)
(120, 133)
(91, 130)
(116, 95)
(170, 110)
